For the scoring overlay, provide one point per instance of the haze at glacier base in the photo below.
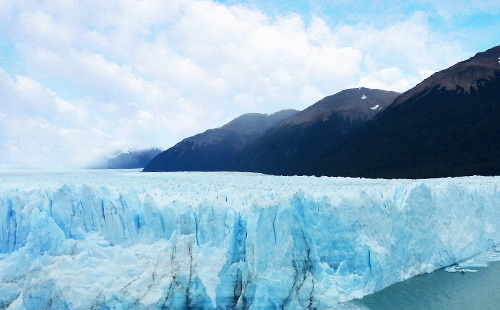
(131, 240)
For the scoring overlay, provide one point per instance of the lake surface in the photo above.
(438, 290)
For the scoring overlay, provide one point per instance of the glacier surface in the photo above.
(132, 240)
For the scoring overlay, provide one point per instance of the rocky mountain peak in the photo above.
(465, 76)
(354, 104)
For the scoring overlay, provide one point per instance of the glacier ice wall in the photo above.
(130, 240)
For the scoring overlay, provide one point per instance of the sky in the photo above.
(82, 80)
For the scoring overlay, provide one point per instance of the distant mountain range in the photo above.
(131, 159)
(216, 149)
(276, 143)
(448, 125)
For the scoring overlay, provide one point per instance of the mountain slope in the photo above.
(296, 142)
(216, 149)
(130, 159)
(448, 125)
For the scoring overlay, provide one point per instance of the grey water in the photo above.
(439, 290)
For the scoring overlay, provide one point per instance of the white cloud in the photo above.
(41, 29)
(408, 46)
(33, 120)
(319, 31)
(97, 76)
(388, 79)
(310, 93)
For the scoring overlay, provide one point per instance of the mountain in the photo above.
(216, 149)
(297, 141)
(130, 159)
(448, 125)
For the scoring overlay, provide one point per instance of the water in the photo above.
(439, 290)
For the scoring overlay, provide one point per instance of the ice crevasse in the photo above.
(131, 240)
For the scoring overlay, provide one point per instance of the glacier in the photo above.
(131, 240)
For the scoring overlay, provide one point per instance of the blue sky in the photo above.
(82, 80)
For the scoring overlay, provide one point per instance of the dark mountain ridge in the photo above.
(216, 149)
(465, 76)
(448, 125)
(279, 143)
(299, 140)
